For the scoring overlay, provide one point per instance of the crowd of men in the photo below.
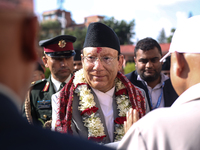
(87, 98)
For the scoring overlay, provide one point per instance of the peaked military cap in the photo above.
(100, 35)
(77, 57)
(59, 46)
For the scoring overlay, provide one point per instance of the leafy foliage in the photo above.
(169, 39)
(162, 36)
(130, 66)
(49, 29)
(123, 29)
(47, 73)
(80, 34)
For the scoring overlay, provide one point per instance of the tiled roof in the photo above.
(165, 47)
(129, 49)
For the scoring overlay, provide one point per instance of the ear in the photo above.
(29, 38)
(82, 58)
(179, 63)
(135, 60)
(43, 76)
(44, 59)
(121, 61)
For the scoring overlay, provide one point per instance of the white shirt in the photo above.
(156, 91)
(54, 97)
(169, 128)
(56, 83)
(106, 101)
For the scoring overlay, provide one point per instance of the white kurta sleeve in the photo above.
(132, 140)
(55, 107)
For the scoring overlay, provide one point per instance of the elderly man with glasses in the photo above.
(94, 103)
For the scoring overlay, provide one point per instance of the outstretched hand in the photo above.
(132, 116)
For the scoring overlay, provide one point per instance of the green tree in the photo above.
(162, 36)
(130, 66)
(123, 29)
(49, 29)
(169, 39)
(80, 34)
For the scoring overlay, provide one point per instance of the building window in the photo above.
(46, 17)
(53, 16)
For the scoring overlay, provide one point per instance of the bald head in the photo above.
(184, 71)
(185, 55)
(18, 50)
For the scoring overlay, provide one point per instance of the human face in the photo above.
(60, 68)
(99, 75)
(148, 65)
(77, 65)
(37, 75)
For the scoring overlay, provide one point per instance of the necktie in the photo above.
(61, 86)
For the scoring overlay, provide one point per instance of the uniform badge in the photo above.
(44, 104)
(62, 43)
(32, 82)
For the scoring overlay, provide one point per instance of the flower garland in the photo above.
(124, 105)
(88, 109)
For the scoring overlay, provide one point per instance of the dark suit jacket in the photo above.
(168, 91)
(16, 133)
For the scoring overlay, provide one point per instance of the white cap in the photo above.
(186, 38)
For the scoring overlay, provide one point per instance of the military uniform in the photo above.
(37, 107)
(40, 101)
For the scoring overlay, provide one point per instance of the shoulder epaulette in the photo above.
(37, 82)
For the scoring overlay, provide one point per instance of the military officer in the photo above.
(58, 57)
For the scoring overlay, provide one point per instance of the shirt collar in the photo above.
(101, 96)
(57, 83)
(188, 95)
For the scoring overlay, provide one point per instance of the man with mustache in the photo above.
(148, 76)
(58, 58)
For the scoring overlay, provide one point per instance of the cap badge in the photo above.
(62, 43)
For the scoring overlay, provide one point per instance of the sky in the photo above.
(150, 16)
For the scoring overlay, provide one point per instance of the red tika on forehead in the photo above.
(99, 49)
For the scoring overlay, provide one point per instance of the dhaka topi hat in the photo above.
(100, 35)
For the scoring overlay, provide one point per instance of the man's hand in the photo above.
(132, 116)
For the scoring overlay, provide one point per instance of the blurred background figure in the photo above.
(166, 66)
(38, 74)
(148, 75)
(77, 60)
